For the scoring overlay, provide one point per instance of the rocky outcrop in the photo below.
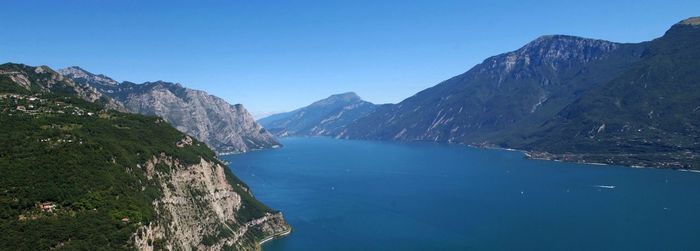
(200, 210)
(323, 117)
(224, 127)
(46, 79)
(78, 73)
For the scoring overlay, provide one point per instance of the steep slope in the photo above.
(514, 90)
(323, 117)
(77, 176)
(224, 127)
(564, 97)
(647, 115)
(18, 79)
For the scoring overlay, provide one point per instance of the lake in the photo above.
(370, 195)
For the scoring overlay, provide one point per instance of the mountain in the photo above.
(323, 117)
(224, 127)
(524, 86)
(18, 79)
(563, 97)
(78, 176)
(646, 115)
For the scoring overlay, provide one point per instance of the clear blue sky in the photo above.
(275, 56)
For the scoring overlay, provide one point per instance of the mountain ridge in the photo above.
(224, 127)
(525, 74)
(561, 97)
(322, 117)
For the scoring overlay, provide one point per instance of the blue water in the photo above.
(367, 195)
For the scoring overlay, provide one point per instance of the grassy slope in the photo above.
(87, 166)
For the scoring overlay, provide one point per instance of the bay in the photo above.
(370, 195)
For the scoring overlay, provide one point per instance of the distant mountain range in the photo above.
(557, 97)
(224, 127)
(324, 117)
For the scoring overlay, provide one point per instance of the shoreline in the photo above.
(250, 150)
(582, 160)
(533, 155)
(275, 236)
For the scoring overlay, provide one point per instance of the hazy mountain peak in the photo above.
(347, 97)
(323, 117)
(44, 69)
(553, 37)
(566, 47)
(691, 21)
(553, 51)
(77, 73)
(75, 68)
(686, 30)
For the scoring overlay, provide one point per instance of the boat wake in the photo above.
(605, 186)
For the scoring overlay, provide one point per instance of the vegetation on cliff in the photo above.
(73, 173)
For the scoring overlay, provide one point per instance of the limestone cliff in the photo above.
(201, 210)
(224, 127)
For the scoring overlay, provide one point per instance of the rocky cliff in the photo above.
(224, 127)
(200, 208)
(77, 176)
